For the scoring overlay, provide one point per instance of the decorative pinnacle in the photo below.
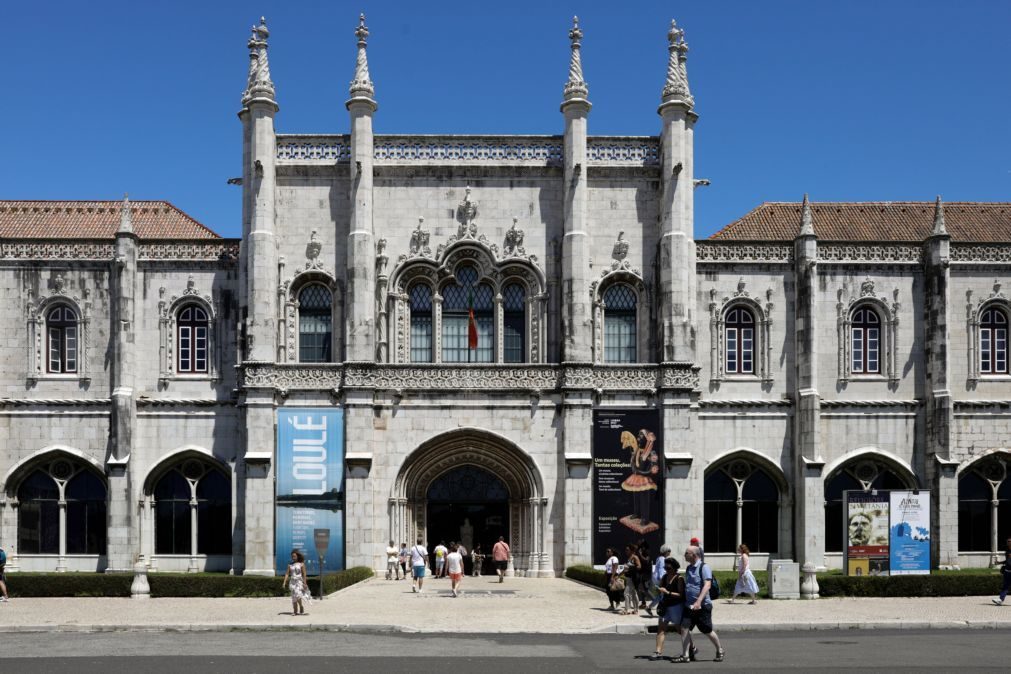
(361, 85)
(676, 88)
(258, 84)
(125, 216)
(806, 221)
(939, 228)
(575, 87)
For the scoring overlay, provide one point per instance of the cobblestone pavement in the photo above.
(519, 605)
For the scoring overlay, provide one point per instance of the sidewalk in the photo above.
(519, 605)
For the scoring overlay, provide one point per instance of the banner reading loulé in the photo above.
(909, 535)
(310, 485)
(628, 480)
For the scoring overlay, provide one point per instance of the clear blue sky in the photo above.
(885, 100)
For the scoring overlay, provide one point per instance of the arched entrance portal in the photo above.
(468, 505)
(472, 472)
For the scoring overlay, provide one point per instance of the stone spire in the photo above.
(806, 221)
(575, 88)
(939, 228)
(361, 85)
(125, 217)
(676, 88)
(259, 86)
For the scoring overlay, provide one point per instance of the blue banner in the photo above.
(310, 485)
(909, 545)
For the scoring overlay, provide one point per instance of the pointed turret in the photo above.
(575, 87)
(676, 88)
(362, 88)
(806, 221)
(939, 228)
(125, 216)
(259, 86)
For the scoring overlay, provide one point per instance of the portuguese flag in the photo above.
(471, 322)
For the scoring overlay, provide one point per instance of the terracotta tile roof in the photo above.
(96, 220)
(873, 221)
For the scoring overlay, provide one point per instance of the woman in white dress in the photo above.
(299, 584)
(746, 583)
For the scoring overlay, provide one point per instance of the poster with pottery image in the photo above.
(909, 536)
(627, 480)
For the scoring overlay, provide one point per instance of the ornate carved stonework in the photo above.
(514, 242)
(58, 250)
(607, 151)
(209, 251)
(714, 251)
(889, 316)
(312, 251)
(419, 242)
(870, 252)
(309, 149)
(168, 309)
(981, 252)
(36, 309)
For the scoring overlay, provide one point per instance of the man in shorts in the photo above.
(454, 567)
(698, 610)
(419, 560)
(500, 555)
(440, 559)
(392, 572)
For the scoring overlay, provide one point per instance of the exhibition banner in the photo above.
(628, 480)
(866, 532)
(310, 485)
(909, 540)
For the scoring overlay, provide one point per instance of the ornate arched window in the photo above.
(468, 312)
(421, 323)
(984, 506)
(315, 324)
(77, 492)
(620, 303)
(739, 338)
(741, 506)
(993, 343)
(865, 341)
(61, 340)
(514, 323)
(863, 475)
(192, 340)
(193, 494)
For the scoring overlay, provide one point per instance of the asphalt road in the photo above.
(247, 652)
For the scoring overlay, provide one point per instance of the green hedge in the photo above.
(934, 585)
(169, 584)
(726, 579)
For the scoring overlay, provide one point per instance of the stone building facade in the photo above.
(470, 302)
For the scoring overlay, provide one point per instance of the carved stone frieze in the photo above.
(605, 151)
(290, 376)
(870, 252)
(58, 250)
(305, 149)
(715, 251)
(202, 252)
(981, 252)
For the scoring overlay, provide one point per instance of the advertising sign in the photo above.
(628, 480)
(909, 540)
(866, 533)
(310, 485)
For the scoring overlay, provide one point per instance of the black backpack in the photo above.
(714, 589)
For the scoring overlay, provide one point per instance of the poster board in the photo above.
(310, 485)
(628, 480)
(887, 532)
(909, 533)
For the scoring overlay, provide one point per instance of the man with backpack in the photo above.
(3, 575)
(698, 611)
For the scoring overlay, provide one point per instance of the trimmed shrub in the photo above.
(726, 579)
(934, 585)
(169, 584)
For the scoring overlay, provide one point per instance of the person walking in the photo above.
(746, 583)
(404, 557)
(671, 590)
(615, 581)
(702, 553)
(454, 567)
(633, 568)
(659, 570)
(296, 581)
(698, 610)
(392, 572)
(419, 562)
(500, 555)
(461, 548)
(645, 576)
(1005, 571)
(3, 576)
(477, 559)
(440, 559)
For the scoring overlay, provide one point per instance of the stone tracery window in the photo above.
(620, 316)
(984, 506)
(868, 335)
(62, 510)
(461, 298)
(740, 336)
(192, 340)
(61, 340)
(514, 323)
(421, 323)
(193, 511)
(742, 501)
(993, 341)
(865, 341)
(739, 331)
(315, 324)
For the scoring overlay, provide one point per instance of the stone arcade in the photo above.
(805, 349)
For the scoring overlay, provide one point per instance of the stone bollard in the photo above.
(809, 585)
(140, 589)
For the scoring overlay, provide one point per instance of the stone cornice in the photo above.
(530, 379)
(104, 250)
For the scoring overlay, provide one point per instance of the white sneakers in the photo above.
(997, 601)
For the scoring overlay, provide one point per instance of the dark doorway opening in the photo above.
(468, 505)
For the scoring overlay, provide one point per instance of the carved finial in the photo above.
(620, 249)
(125, 216)
(259, 86)
(514, 240)
(419, 241)
(467, 210)
(939, 228)
(676, 88)
(806, 220)
(312, 250)
(361, 85)
(575, 87)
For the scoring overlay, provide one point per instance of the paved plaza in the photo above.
(517, 606)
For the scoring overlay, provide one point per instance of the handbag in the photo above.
(617, 584)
